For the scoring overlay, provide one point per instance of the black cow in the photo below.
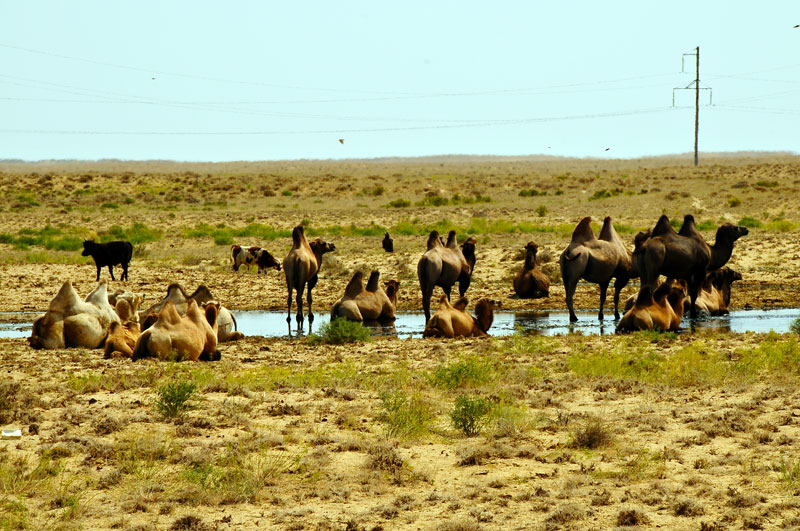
(388, 243)
(109, 254)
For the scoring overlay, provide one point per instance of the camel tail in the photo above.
(235, 326)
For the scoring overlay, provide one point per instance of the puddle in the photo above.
(548, 323)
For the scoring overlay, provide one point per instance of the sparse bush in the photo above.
(399, 203)
(594, 434)
(339, 332)
(795, 326)
(541, 211)
(780, 225)
(789, 473)
(531, 192)
(109, 205)
(173, 397)
(466, 373)
(767, 184)
(632, 517)
(404, 416)
(734, 202)
(605, 194)
(751, 223)
(470, 414)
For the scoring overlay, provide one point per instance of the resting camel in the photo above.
(684, 254)
(122, 337)
(595, 260)
(191, 337)
(72, 322)
(226, 322)
(531, 283)
(452, 320)
(301, 267)
(443, 265)
(715, 293)
(656, 310)
(367, 304)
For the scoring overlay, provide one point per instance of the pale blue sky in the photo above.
(287, 80)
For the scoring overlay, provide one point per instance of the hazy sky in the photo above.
(285, 80)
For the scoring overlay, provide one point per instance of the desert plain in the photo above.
(647, 430)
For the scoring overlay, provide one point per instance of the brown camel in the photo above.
(595, 260)
(684, 254)
(452, 320)
(370, 304)
(301, 267)
(121, 339)
(531, 283)
(443, 265)
(191, 337)
(715, 293)
(656, 310)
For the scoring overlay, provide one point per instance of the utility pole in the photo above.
(697, 88)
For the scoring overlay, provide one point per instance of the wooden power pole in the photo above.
(697, 88)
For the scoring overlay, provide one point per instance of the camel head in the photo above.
(392, 287)
(202, 294)
(485, 312)
(320, 247)
(676, 295)
(468, 250)
(641, 237)
(729, 233)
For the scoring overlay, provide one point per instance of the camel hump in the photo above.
(169, 314)
(355, 286)
(452, 243)
(298, 234)
(461, 304)
(607, 233)
(583, 231)
(202, 294)
(175, 288)
(662, 227)
(211, 314)
(433, 239)
(689, 227)
(373, 282)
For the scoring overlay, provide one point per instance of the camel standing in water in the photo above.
(370, 304)
(684, 254)
(595, 260)
(301, 267)
(452, 320)
(531, 283)
(443, 265)
(661, 309)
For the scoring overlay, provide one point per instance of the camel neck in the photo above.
(485, 317)
(530, 260)
(720, 254)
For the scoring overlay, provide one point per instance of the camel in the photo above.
(656, 310)
(130, 310)
(531, 283)
(452, 320)
(72, 322)
(121, 339)
(684, 255)
(226, 322)
(301, 267)
(388, 243)
(715, 293)
(370, 304)
(443, 265)
(595, 260)
(191, 337)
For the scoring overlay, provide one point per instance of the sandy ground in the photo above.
(287, 435)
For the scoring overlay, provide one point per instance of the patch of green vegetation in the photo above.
(374, 191)
(531, 192)
(780, 225)
(470, 372)
(405, 416)
(399, 203)
(172, 398)
(707, 225)
(541, 211)
(225, 235)
(27, 200)
(470, 414)
(795, 326)
(479, 226)
(339, 332)
(109, 205)
(767, 184)
(52, 238)
(437, 200)
(605, 194)
(347, 230)
(734, 202)
(136, 233)
(286, 193)
(749, 222)
(789, 474)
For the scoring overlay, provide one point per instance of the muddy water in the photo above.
(411, 324)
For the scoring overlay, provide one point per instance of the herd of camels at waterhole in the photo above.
(190, 326)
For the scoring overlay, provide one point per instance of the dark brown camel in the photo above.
(301, 267)
(443, 265)
(684, 254)
(452, 320)
(531, 283)
(595, 260)
(388, 243)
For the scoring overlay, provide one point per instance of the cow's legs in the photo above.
(124, 272)
(98, 273)
(111, 271)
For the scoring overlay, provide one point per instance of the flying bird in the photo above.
(341, 140)
(608, 148)
(796, 26)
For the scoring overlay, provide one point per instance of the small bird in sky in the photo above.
(796, 26)
(608, 148)
(153, 78)
(341, 140)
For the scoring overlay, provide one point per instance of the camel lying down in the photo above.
(372, 303)
(659, 310)
(191, 337)
(451, 320)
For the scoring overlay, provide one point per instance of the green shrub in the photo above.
(339, 332)
(433, 200)
(173, 397)
(780, 225)
(109, 205)
(399, 203)
(287, 193)
(470, 414)
(734, 202)
(605, 194)
(541, 211)
(751, 223)
(767, 184)
(466, 373)
(795, 326)
(531, 192)
(136, 234)
(405, 416)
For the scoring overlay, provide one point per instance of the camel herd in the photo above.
(193, 325)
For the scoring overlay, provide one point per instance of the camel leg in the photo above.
(619, 285)
(569, 287)
(603, 290)
(463, 285)
(694, 291)
(427, 293)
(299, 316)
(311, 283)
(289, 311)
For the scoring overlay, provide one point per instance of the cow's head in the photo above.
(88, 247)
